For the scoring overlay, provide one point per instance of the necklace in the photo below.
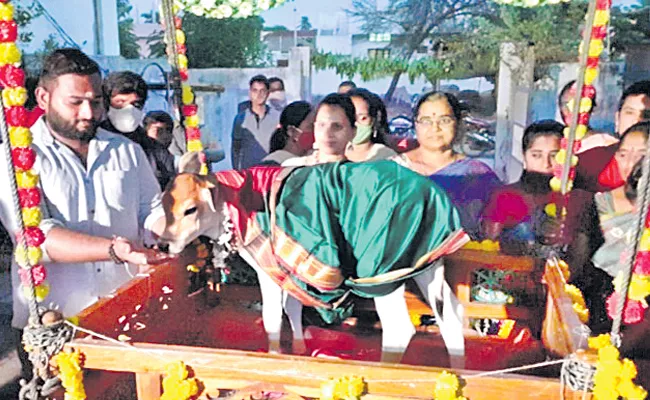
(226, 242)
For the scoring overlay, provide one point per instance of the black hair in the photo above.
(635, 89)
(643, 127)
(261, 79)
(276, 79)
(632, 183)
(66, 61)
(565, 90)
(344, 102)
(125, 82)
(545, 127)
(292, 115)
(453, 102)
(348, 83)
(377, 111)
(162, 117)
(456, 107)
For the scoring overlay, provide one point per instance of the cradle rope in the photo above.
(643, 201)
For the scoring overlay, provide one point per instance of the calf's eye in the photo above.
(190, 211)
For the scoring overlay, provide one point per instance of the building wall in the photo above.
(77, 19)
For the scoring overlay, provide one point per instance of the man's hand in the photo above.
(127, 251)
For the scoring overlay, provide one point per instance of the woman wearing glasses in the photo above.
(468, 182)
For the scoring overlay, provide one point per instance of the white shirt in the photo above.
(113, 196)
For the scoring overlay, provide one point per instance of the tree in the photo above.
(226, 43)
(129, 47)
(417, 20)
(631, 26)
(465, 48)
(276, 28)
(305, 25)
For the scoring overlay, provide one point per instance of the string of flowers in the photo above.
(614, 377)
(639, 289)
(584, 108)
(189, 108)
(71, 374)
(14, 96)
(448, 387)
(221, 9)
(177, 385)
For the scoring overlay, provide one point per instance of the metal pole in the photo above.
(172, 53)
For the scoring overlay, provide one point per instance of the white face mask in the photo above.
(278, 97)
(125, 119)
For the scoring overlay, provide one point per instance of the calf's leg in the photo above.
(396, 325)
(271, 304)
(293, 309)
(438, 293)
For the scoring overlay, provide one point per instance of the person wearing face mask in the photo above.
(277, 95)
(294, 136)
(517, 216)
(125, 93)
(368, 143)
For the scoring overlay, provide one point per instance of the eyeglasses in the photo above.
(444, 122)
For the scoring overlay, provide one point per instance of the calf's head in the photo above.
(191, 210)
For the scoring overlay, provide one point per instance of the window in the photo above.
(379, 37)
(378, 53)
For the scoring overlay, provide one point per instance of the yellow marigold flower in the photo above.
(41, 290)
(555, 184)
(9, 53)
(605, 393)
(582, 312)
(560, 157)
(608, 353)
(639, 287)
(628, 390)
(581, 130)
(26, 179)
(182, 61)
(192, 121)
(564, 268)
(203, 170)
(6, 12)
(415, 319)
(590, 75)
(445, 384)
(551, 210)
(180, 36)
(327, 390)
(600, 341)
(32, 216)
(353, 387)
(194, 145)
(628, 369)
(601, 18)
(585, 104)
(14, 96)
(19, 136)
(176, 370)
(187, 94)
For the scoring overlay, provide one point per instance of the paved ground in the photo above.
(9, 364)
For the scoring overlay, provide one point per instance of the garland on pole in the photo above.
(221, 9)
(28, 252)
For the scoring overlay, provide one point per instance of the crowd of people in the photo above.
(351, 126)
(103, 163)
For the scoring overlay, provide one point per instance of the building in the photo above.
(280, 42)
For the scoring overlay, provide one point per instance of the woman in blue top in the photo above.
(468, 182)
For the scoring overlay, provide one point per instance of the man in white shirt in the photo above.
(98, 190)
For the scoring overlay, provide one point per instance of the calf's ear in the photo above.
(207, 196)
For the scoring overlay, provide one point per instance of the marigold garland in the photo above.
(614, 377)
(639, 289)
(189, 109)
(14, 96)
(485, 245)
(584, 108)
(578, 301)
(221, 9)
(71, 374)
(177, 385)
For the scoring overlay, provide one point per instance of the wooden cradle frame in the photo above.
(251, 372)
